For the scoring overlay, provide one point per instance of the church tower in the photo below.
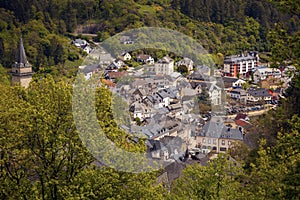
(21, 70)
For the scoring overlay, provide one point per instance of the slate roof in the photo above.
(238, 58)
(260, 92)
(90, 68)
(215, 129)
(165, 59)
(229, 79)
(238, 91)
(197, 75)
(143, 57)
(21, 56)
(184, 61)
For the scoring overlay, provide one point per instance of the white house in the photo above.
(238, 94)
(263, 73)
(125, 56)
(215, 94)
(164, 66)
(145, 59)
(261, 94)
(238, 83)
(79, 43)
(186, 62)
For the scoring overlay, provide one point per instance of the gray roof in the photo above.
(229, 79)
(90, 68)
(215, 129)
(185, 61)
(238, 58)
(238, 91)
(165, 59)
(21, 57)
(198, 75)
(166, 93)
(261, 92)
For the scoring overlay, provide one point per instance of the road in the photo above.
(251, 113)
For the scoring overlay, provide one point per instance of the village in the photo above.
(195, 115)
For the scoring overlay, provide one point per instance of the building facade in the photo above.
(21, 69)
(240, 65)
(164, 66)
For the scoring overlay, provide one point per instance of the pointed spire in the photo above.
(21, 54)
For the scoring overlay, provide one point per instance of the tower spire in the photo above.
(21, 59)
(21, 69)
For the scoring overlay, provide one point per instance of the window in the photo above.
(229, 143)
(223, 142)
(203, 141)
(208, 141)
(214, 141)
(222, 148)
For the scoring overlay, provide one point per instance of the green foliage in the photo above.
(183, 70)
(218, 180)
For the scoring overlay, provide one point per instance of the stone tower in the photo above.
(21, 70)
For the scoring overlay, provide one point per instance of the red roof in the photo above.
(241, 122)
(108, 83)
(115, 75)
(241, 116)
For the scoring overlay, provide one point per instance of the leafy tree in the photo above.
(218, 180)
(183, 69)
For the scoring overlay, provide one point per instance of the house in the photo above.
(125, 39)
(79, 43)
(174, 79)
(215, 136)
(83, 44)
(240, 64)
(139, 94)
(113, 67)
(125, 56)
(203, 69)
(89, 70)
(166, 148)
(164, 66)
(175, 110)
(198, 76)
(215, 94)
(231, 82)
(214, 91)
(186, 62)
(140, 110)
(120, 62)
(157, 150)
(145, 59)
(87, 49)
(256, 95)
(115, 76)
(263, 73)
(238, 94)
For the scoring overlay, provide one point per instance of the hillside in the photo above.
(221, 26)
(43, 155)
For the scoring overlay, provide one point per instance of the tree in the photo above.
(46, 151)
(218, 180)
(183, 70)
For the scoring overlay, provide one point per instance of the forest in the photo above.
(41, 154)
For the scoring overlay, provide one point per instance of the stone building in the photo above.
(21, 69)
